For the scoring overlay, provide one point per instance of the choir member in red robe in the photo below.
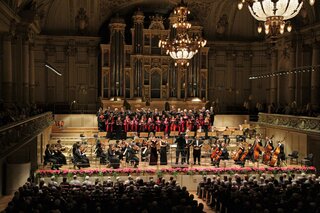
(182, 125)
(166, 124)
(127, 124)
(158, 124)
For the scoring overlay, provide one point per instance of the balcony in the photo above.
(300, 123)
(16, 135)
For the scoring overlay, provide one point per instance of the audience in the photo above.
(286, 193)
(13, 113)
(119, 196)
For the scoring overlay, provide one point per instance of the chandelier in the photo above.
(274, 13)
(182, 47)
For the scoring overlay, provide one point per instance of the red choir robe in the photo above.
(158, 125)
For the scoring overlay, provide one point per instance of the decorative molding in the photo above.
(307, 124)
(82, 21)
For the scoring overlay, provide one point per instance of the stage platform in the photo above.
(186, 175)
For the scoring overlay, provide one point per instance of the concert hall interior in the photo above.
(159, 105)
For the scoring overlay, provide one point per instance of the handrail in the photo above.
(19, 123)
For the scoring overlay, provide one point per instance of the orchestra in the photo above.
(193, 130)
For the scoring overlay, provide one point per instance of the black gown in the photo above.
(163, 155)
(153, 154)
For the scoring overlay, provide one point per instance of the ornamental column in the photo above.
(31, 74)
(138, 19)
(315, 77)
(117, 26)
(25, 63)
(7, 69)
(273, 79)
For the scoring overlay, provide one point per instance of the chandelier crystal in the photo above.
(274, 13)
(182, 47)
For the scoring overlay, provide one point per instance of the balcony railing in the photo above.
(15, 135)
(310, 124)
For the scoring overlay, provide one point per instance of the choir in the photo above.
(142, 120)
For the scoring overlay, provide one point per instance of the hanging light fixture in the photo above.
(274, 13)
(182, 47)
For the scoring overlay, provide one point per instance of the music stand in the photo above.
(191, 134)
(131, 134)
(144, 134)
(212, 134)
(102, 134)
(238, 132)
(201, 134)
(226, 132)
(160, 134)
(174, 134)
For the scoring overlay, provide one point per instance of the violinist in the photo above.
(163, 152)
(114, 161)
(58, 152)
(131, 155)
(197, 144)
(100, 153)
(153, 151)
(144, 151)
(79, 157)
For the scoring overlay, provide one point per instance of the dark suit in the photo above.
(197, 144)
(181, 145)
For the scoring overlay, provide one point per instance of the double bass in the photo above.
(256, 149)
(274, 158)
(267, 152)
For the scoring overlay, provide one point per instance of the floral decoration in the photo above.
(174, 171)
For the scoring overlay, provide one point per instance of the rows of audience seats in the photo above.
(131, 195)
(254, 193)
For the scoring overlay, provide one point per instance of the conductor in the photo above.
(181, 144)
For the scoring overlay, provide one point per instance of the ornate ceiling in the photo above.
(220, 18)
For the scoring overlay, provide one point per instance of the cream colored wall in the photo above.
(77, 120)
(229, 120)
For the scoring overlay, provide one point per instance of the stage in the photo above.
(186, 175)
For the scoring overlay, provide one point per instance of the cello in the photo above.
(214, 153)
(237, 155)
